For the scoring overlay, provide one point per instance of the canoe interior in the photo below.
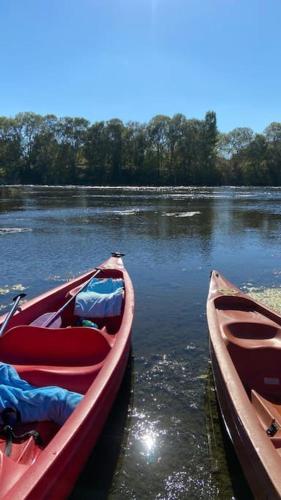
(62, 354)
(252, 335)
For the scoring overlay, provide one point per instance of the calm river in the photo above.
(157, 443)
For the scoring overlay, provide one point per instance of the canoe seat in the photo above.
(77, 346)
(251, 334)
(68, 357)
(73, 378)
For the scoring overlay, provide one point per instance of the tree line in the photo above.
(37, 149)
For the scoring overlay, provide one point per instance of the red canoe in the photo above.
(42, 342)
(245, 348)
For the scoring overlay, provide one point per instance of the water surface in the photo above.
(156, 444)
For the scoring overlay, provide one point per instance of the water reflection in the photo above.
(149, 440)
(266, 224)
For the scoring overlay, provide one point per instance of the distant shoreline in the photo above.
(166, 151)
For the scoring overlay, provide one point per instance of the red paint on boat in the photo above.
(91, 361)
(245, 349)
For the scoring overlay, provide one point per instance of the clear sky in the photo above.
(133, 59)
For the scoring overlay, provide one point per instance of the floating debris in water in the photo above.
(181, 214)
(126, 212)
(194, 406)
(269, 296)
(188, 214)
(12, 230)
(190, 347)
(18, 287)
(14, 288)
(203, 376)
(277, 273)
(248, 286)
(251, 289)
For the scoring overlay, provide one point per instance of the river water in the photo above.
(157, 443)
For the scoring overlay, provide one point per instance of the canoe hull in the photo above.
(56, 469)
(257, 456)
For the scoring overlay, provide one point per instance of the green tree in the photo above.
(134, 149)
(254, 163)
(94, 151)
(207, 170)
(10, 151)
(71, 135)
(272, 133)
(113, 152)
(234, 142)
(158, 131)
(176, 146)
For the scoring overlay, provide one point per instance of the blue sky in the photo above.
(133, 59)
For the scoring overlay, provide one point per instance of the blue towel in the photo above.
(35, 403)
(101, 299)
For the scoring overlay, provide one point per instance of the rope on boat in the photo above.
(12, 416)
